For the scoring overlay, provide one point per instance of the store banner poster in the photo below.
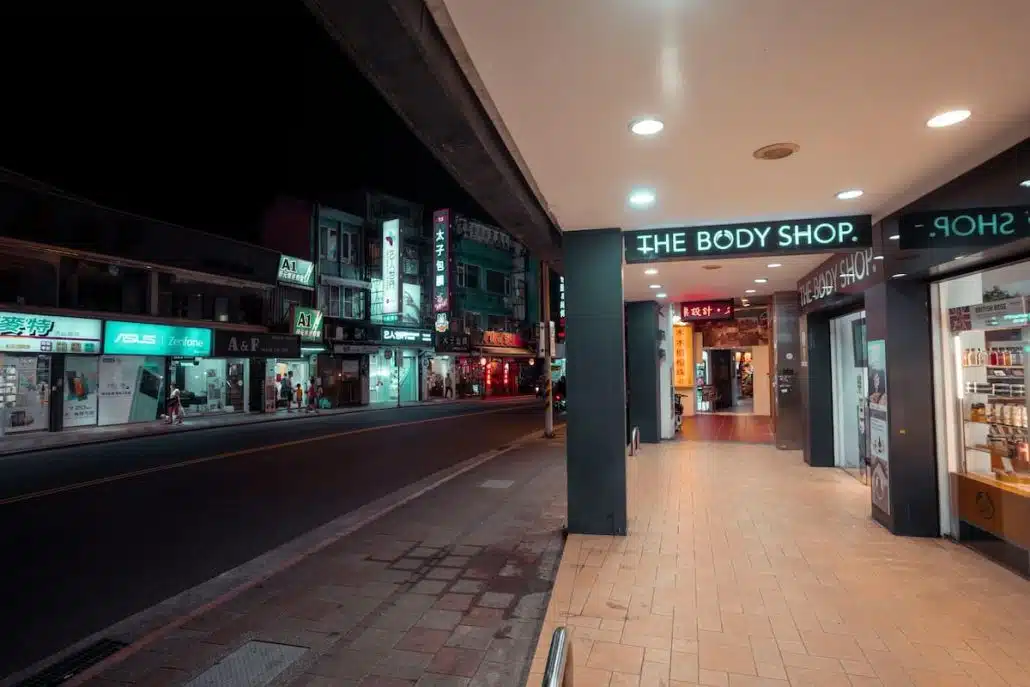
(296, 272)
(145, 338)
(24, 393)
(81, 386)
(23, 333)
(131, 389)
(879, 424)
(441, 261)
(391, 267)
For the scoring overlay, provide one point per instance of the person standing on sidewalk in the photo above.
(175, 413)
(286, 391)
(312, 400)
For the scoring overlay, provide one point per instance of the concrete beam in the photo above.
(401, 50)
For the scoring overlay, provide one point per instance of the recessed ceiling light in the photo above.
(899, 275)
(774, 265)
(646, 126)
(1025, 183)
(642, 198)
(949, 118)
(655, 286)
(659, 295)
(676, 318)
(761, 280)
(650, 270)
(751, 291)
(894, 237)
(877, 257)
(850, 194)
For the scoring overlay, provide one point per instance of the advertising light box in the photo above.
(145, 338)
(25, 333)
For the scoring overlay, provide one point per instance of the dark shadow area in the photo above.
(200, 113)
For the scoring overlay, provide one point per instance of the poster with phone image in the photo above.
(130, 389)
(879, 424)
(80, 390)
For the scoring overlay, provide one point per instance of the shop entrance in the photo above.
(726, 381)
(849, 370)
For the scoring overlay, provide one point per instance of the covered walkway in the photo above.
(744, 567)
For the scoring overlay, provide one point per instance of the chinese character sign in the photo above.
(441, 261)
(392, 267)
(698, 311)
(682, 356)
(28, 333)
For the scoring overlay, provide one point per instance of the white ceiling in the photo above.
(690, 281)
(851, 81)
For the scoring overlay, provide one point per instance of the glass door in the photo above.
(848, 360)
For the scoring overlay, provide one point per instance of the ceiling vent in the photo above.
(776, 151)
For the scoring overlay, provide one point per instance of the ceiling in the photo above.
(690, 281)
(852, 82)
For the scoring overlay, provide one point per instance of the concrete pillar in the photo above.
(596, 374)
(642, 342)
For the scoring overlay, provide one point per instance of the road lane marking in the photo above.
(233, 454)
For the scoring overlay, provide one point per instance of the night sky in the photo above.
(201, 118)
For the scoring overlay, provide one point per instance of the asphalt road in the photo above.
(77, 560)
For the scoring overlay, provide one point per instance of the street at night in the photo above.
(209, 500)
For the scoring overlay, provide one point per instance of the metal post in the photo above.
(398, 358)
(546, 333)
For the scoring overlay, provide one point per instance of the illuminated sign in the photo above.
(144, 338)
(296, 271)
(507, 339)
(697, 311)
(23, 333)
(391, 267)
(791, 236)
(307, 323)
(978, 227)
(441, 261)
(841, 274)
(560, 334)
(422, 336)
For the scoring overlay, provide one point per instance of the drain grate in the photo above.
(69, 667)
(255, 664)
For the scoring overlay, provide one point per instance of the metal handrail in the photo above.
(558, 672)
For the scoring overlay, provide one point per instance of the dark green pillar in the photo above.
(642, 348)
(596, 372)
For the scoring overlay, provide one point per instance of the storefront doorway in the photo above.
(212, 385)
(393, 375)
(849, 374)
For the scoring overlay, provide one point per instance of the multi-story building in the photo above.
(102, 311)
(486, 311)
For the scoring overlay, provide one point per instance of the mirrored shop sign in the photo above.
(970, 228)
(791, 236)
(27, 333)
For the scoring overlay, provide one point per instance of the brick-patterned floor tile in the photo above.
(456, 661)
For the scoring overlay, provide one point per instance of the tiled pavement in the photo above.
(446, 591)
(751, 429)
(745, 568)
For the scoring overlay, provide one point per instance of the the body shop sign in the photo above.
(307, 323)
(847, 273)
(296, 272)
(441, 261)
(391, 267)
(790, 236)
(145, 338)
(23, 333)
(971, 228)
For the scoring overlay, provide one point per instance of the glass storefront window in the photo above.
(981, 347)
(393, 376)
(288, 374)
(24, 392)
(848, 356)
(212, 385)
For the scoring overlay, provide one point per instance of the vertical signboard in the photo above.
(561, 310)
(879, 425)
(441, 260)
(682, 356)
(391, 267)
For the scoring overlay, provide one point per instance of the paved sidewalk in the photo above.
(744, 567)
(448, 590)
(41, 441)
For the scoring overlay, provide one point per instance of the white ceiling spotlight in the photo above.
(774, 265)
(660, 295)
(650, 271)
(899, 275)
(894, 237)
(761, 280)
(642, 198)
(1025, 183)
(751, 291)
(850, 194)
(949, 118)
(646, 126)
(655, 286)
(877, 257)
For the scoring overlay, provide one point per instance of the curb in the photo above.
(243, 423)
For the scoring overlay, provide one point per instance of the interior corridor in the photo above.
(746, 568)
(748, 429)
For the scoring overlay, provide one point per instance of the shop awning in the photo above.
(505, 352)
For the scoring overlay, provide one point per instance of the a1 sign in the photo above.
(971, 228)
(699, 311)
